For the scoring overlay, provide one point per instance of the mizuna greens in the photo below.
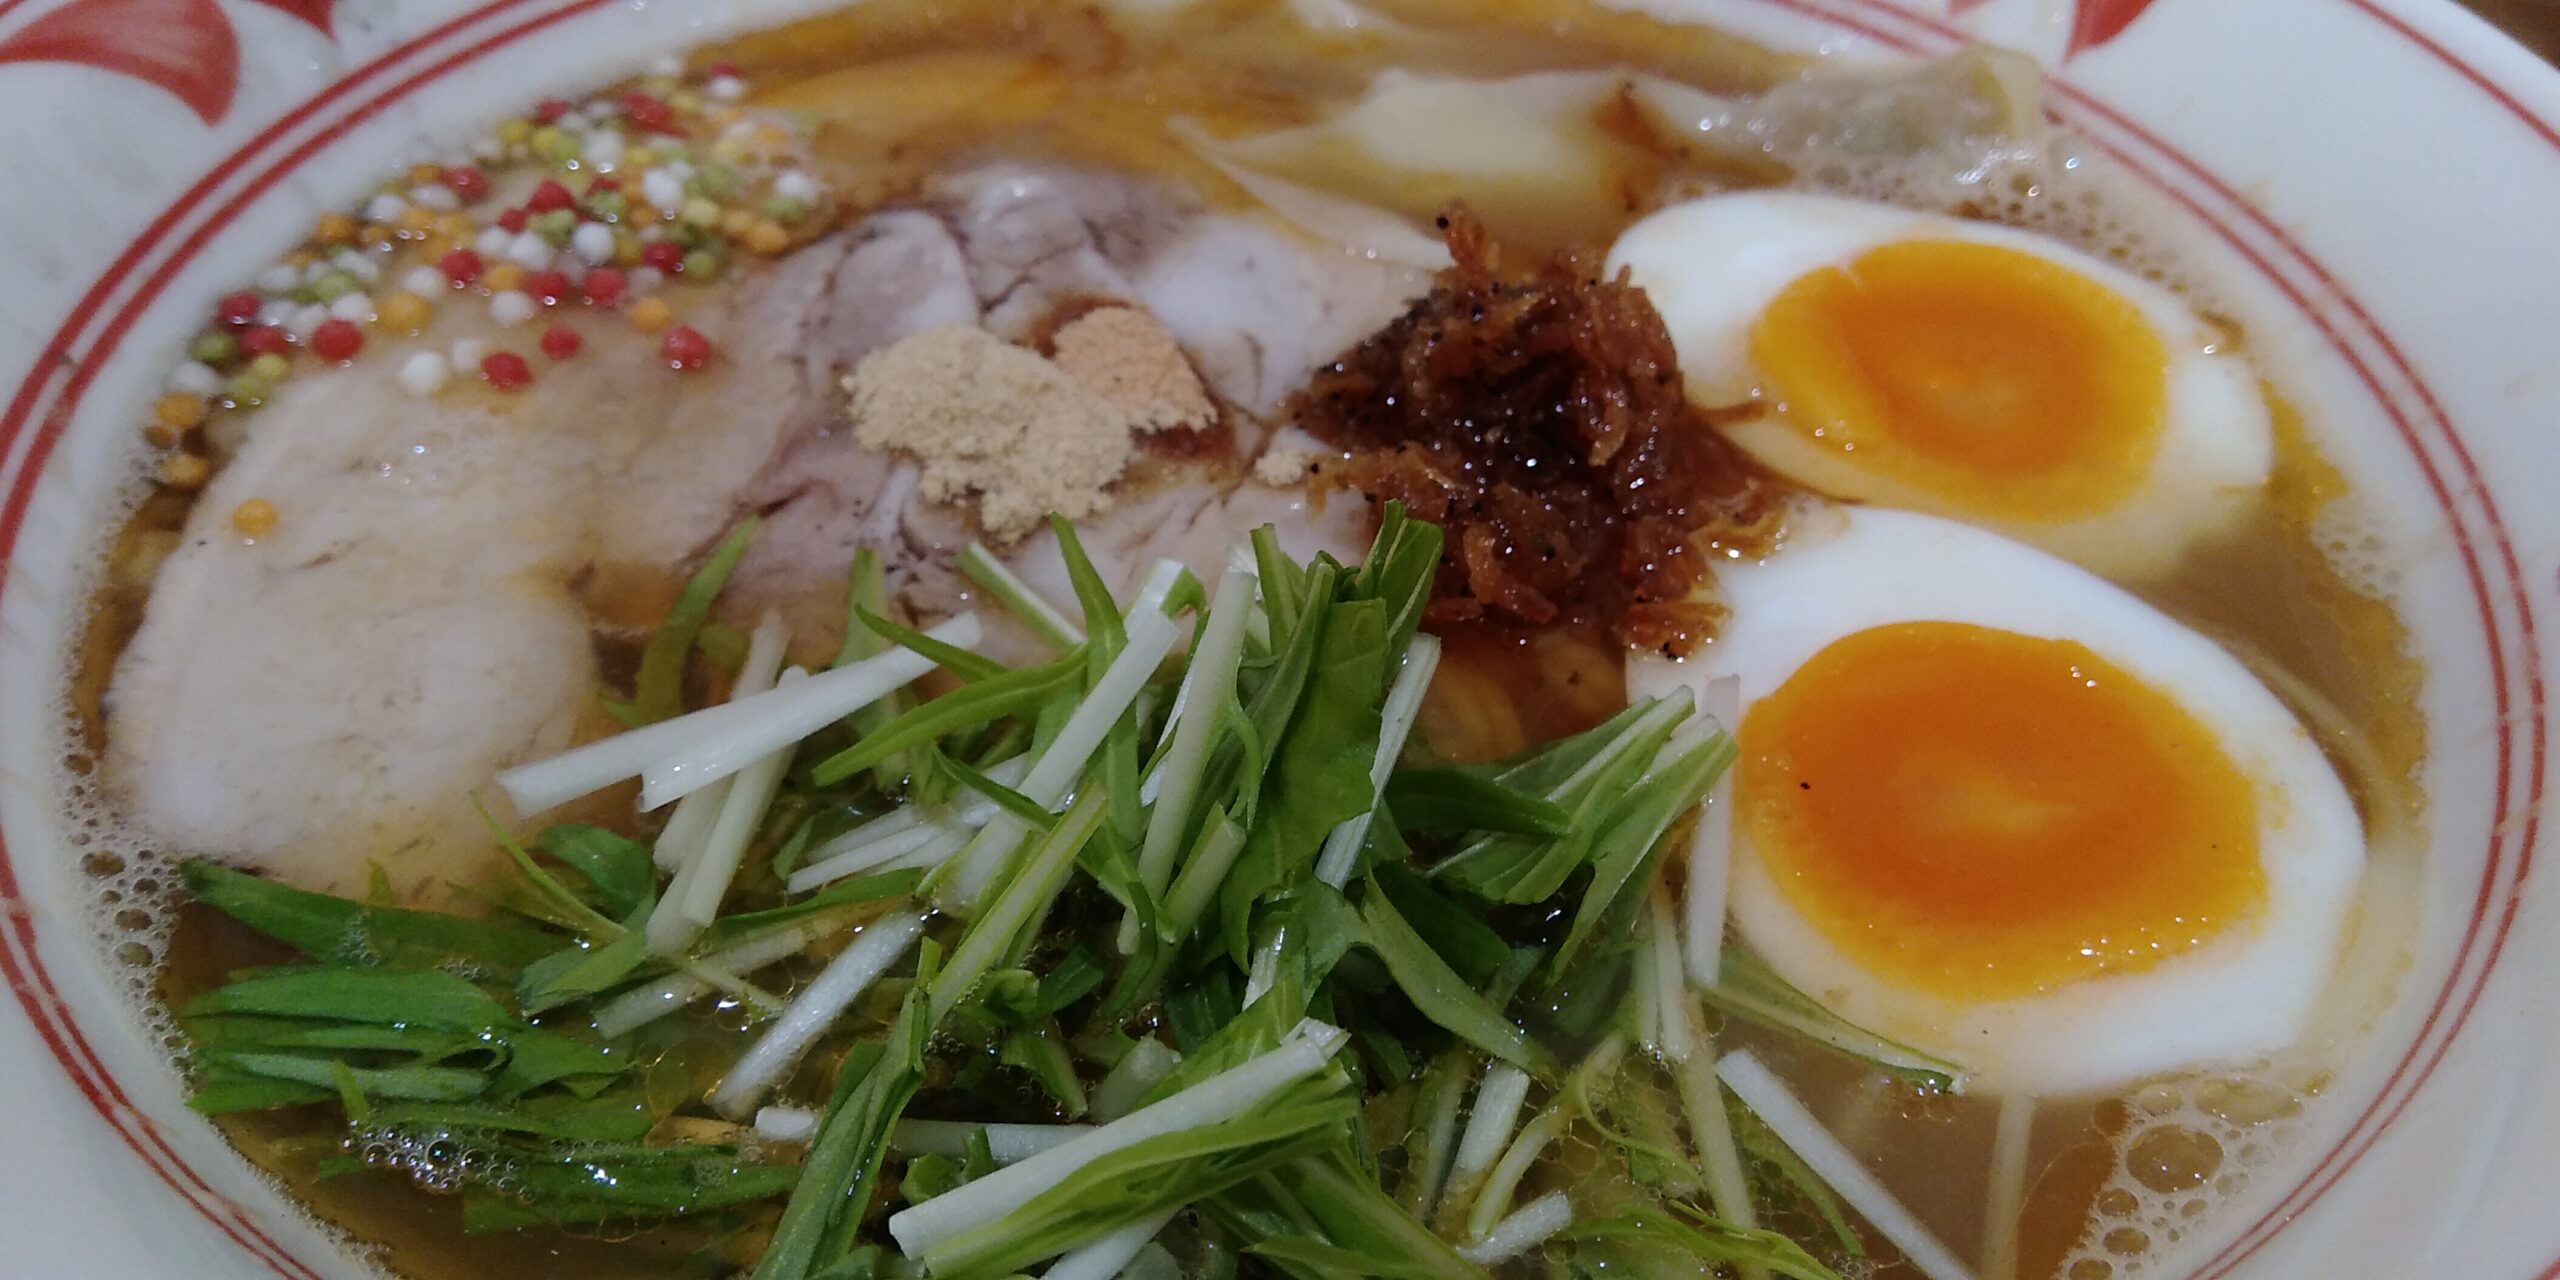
(1175, 950)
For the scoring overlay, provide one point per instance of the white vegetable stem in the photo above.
(1206, 686)
(1142, 1068)
(1671, 1015)
(1151, 636)
(1489, 1124)
(1105, 1257)
(783, 719)
(1768, 1097)
(1395, 724)
(2008, 1190)
(810, 1014)
(990, 571)
(632, 1010)
(741, 730)
(1007, 1143)
(1221, 1097)
(689, 827)
(1711, 848)
(894, 836)
(693, 898)
(1521, 1232)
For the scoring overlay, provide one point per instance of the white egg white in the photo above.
(1713, 265)
(2236, 998)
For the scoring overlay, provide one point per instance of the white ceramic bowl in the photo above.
(2376, 181)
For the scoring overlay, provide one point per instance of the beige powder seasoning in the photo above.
(991, 421)
(1123, 355)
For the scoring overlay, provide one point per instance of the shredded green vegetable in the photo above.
(1146, 928)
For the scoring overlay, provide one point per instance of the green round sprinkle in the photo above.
(247, 389)
(717, 181)
(701, 265)
(785, 210)
(554, 144)
(555, 226)
(608, 206)
(690, 235)
(333, 286)
(214, 348)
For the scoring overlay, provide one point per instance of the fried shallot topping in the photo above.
(1542, 423)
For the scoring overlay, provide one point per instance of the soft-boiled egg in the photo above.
(1998, 809)
(1960, 368)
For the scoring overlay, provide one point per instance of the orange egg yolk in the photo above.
(1984, 815)
(1996, 381)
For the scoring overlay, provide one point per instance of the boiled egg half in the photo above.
(1996, 808)
(1960, 368)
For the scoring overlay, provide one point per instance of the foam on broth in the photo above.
(903, 89)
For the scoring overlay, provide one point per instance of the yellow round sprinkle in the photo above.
(423, 174)
(515, 132)
(687, 102)
(179, 411)
(767, 237)
(626, 250)
(457, 225)
(737, 222)
(255, 518)
(403, 312)
(416, 221)
(185, 471)
(502, 277)
(377, 234)
(638, 158)
(701, 212)
(270, 366)
(334, 228)
(650, 315)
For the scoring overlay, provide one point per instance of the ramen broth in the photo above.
(901, 91)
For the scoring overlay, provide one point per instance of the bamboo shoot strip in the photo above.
(1768, 1097)
(781, 717)
(815, 1009)
(1107, 1257)
(1522, 1231)
(1395, 723)
(1711, 847)
(1221, 1097)
(787, 718)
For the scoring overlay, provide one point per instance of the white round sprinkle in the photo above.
(195, 377)
(664, 189)
(667, 65)
(424, 373)
(353, 306)
(798, 184)
(592, 242)
(573, 120)
(604, 147)
(529, 251)
(682, 169)
(279, 278)
(436, 196)
(726, 88)
(363, 266)
(488, 147)
(466, 352)
(492, 242)
(385, 207)
(512, 307)
(316, 268)
(276, 310)
(426, 282)
(644, 280)
(307, 321)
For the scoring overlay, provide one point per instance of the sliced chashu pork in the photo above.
(329, 696)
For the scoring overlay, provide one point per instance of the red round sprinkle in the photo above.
(237, 309)
(599, 186)
(685, 347)
(548, 196)
(461, 266)
(561, 342)
(549, 110)
(466, 182)
(549, 286)
(511, 221)
(665, 255)
(337, 340)
(646, 112)
(719, 69)
(603, 286)
(264, 339)
(506, 370)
